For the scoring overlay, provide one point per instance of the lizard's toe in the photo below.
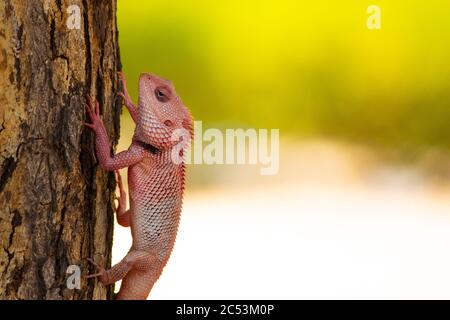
(101, 274)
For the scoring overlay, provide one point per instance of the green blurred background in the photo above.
(361, 112)
(307, 68)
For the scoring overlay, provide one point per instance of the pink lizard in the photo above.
(156, 181)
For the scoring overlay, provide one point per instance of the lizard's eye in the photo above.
(168, 123)
(160, 95)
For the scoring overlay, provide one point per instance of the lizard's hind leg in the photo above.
(135, 259)
(123, 215)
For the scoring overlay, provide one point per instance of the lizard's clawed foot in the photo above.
(121, 76)
(124, 93)
(93, 111)
(126, 97)
(101, 274)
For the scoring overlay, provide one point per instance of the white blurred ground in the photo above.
(322, 229)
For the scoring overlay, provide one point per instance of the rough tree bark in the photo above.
(56, 204)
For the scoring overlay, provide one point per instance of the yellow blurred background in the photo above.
(360, 207)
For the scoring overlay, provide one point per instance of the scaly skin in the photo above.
(156, 182)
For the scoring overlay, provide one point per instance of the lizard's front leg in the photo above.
(126, 98)
(102, 145)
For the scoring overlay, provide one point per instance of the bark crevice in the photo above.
(58, 203)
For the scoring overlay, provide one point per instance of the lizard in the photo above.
(156, 181)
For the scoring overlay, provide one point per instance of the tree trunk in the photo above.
(56, 203)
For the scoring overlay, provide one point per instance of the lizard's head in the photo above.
(161, 112)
